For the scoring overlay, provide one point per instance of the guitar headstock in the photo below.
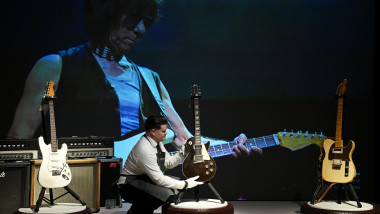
(195, 90)
(299, 140)
(49, 91)
(341, 88)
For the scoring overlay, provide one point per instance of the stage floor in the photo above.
(242, 207)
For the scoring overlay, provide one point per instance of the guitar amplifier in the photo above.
(92, 180)
(110, 169)
(88, 147)
(18, 149)
(85, 183)
(14, 186)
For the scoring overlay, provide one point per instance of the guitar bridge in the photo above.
(336, 164)
(56, 172)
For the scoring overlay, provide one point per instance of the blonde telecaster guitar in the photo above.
(54, 171)
(337, 165)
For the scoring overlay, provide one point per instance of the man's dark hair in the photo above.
(102, 16)
(155, 122)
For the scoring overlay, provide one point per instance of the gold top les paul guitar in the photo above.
(337, 165)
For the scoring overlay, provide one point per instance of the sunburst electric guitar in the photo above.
(337, 165)
(54, 171)
(198, 162)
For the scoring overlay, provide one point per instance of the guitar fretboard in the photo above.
(226, 148)
(339, 122)
(197, 132)
(53, 136)
(261, 142)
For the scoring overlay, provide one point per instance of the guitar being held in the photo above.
(240, 150)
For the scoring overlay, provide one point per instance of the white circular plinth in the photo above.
(344, 206)
(209, 204)
(56, 208)
(332, 207)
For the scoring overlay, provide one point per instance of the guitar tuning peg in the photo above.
(291, 134)
(313, 135)
(320, 136)
(306, 134)
(284, 133)
(299, 133)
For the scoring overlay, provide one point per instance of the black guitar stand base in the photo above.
(196, 193)
(52, 199)
(322, 190)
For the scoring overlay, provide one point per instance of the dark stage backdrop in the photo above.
(263, 66)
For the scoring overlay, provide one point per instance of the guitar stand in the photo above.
(320, 193)
(51, 201)
(196, 193)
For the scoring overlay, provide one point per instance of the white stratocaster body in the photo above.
(54, 171)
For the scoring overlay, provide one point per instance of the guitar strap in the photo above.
(319, 177)
(325, 192)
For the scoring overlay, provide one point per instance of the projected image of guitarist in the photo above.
(100, 91)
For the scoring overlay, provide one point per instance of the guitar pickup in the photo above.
(198, 146)
(337, 150)
(198, 159)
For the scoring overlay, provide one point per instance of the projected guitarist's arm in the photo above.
(27, 118)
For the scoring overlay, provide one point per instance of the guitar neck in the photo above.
(197, 131)
(226, 148)
(339, 122)
(261, 142)
(53, 136)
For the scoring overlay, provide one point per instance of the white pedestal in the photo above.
(56, 208)
(209, 206)
(345, 207)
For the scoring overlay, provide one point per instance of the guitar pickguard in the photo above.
(338, 167)
(54, 171)
(205, 170)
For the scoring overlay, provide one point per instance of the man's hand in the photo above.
(192, 183)
(240, 150)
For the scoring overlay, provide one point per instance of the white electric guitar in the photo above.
(54, 171)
